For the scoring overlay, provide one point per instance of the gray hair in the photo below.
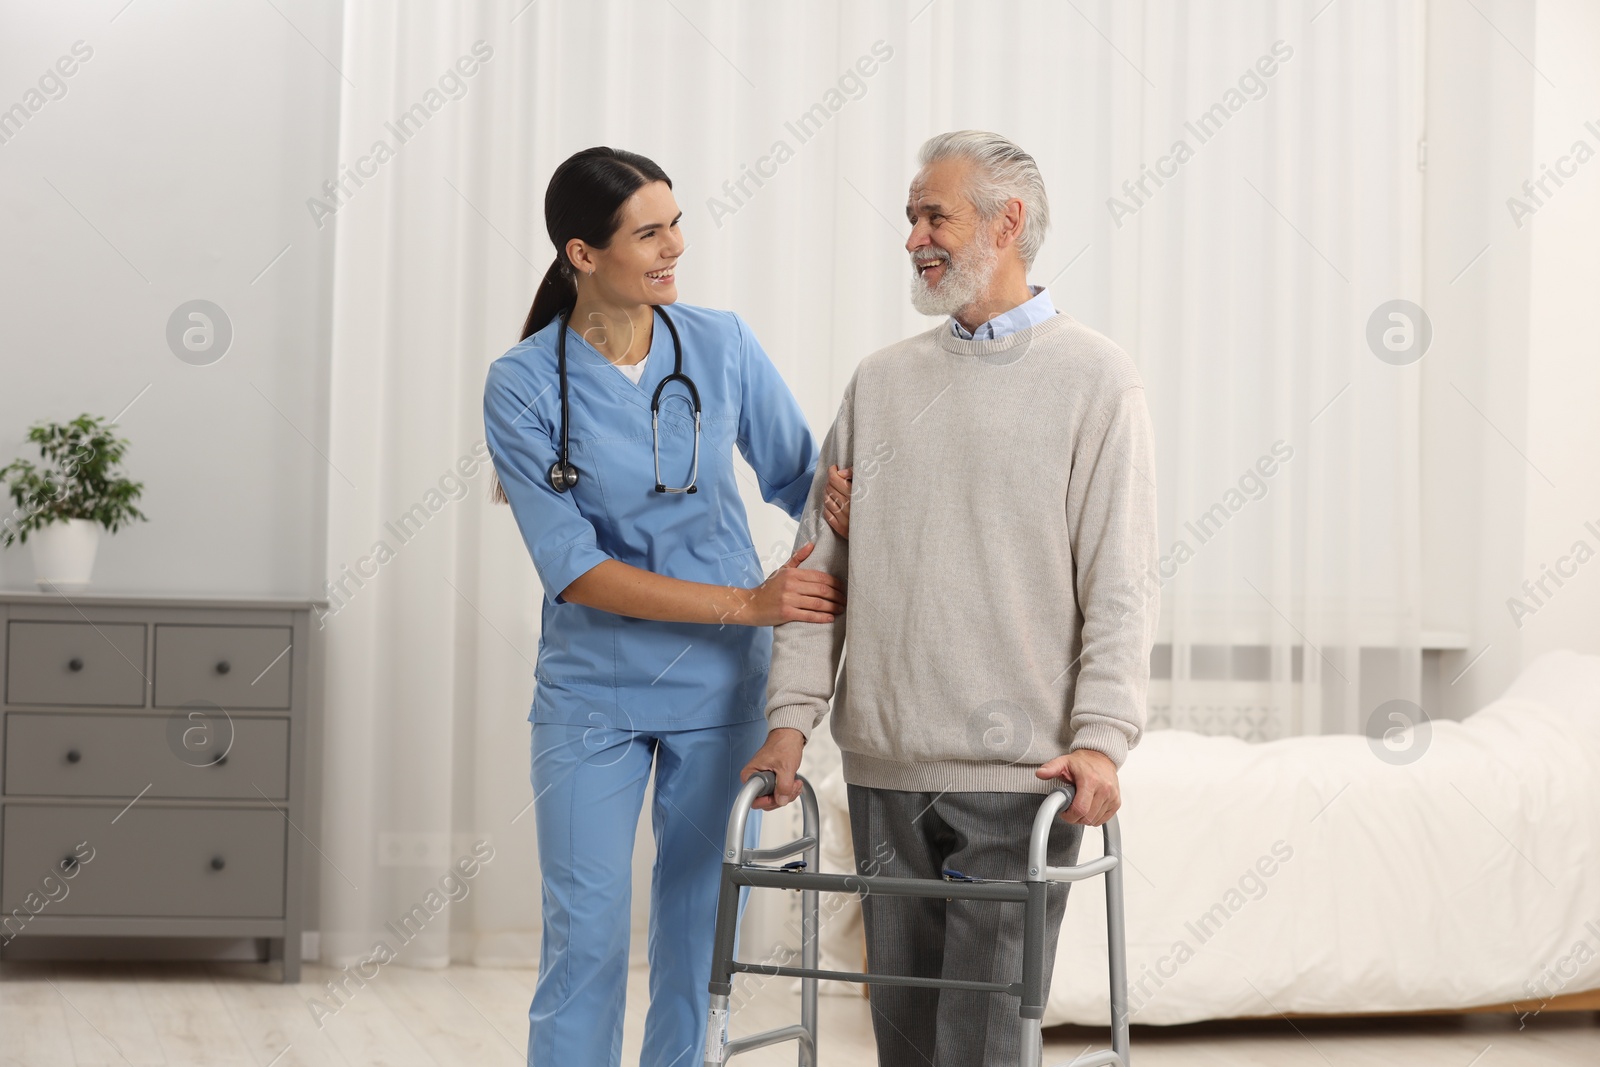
(1003, 172)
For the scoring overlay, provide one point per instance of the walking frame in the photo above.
(753, 868)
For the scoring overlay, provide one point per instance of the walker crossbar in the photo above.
(1014, 988)
(861, 885)
(740, 869)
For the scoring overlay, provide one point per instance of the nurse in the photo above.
(655, 635)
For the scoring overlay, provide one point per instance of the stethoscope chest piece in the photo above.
(563, 476)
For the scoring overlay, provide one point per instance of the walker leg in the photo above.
(810, 927)
(721, 969)
(716, 1032)
(1116, 949)
(1116, 945)
(1032, 1043)
(1031, 1009)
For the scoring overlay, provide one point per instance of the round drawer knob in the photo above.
(224, 667)
(69, 862)
(74, 664)
(73, 755)
(216, 863)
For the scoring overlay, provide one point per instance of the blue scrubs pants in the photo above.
(589, 783)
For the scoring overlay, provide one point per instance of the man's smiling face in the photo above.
(953, 254)
(942, 218)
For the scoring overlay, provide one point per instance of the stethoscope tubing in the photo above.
(563, 475)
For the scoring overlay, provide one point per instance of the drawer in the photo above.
(186, 754)
(95, 664)
(229, 666)
(162, 862)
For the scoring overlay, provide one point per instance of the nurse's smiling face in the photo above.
(639, 265)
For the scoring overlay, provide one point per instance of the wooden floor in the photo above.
(224, 1014)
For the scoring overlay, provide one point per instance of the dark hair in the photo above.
(584, 201)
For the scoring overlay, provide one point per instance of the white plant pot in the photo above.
(63, 554)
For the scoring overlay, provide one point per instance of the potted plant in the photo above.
(64, 503)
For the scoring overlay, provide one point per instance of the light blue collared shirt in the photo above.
(1028, 313)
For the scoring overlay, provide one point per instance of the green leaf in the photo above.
(79, 479)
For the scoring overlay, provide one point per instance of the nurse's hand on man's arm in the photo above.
(791, 594)
(780, 755)
(836, 500)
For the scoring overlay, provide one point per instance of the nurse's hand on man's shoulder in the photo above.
(780, 755)
(793, 594)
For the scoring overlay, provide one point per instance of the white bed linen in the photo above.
(1470, 876)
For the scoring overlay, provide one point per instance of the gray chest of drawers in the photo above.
(152, 754)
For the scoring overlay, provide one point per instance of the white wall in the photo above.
(1479, 100)
(1563, 393)
(1509, 435)
(176, 166)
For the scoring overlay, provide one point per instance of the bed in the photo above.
(1308, 876)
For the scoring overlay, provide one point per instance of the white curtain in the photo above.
(1241, 287)
(1288, 451)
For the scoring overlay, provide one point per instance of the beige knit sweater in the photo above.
(1001, 606)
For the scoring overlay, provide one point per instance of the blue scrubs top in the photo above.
(608, 671)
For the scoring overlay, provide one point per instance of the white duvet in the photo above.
(1308, 875)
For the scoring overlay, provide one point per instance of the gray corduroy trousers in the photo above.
(919, 835)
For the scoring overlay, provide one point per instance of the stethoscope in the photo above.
(563, 475)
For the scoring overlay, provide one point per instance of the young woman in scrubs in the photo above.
(655, 639)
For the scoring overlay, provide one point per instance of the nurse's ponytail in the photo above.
(557, 293)
(584, 201)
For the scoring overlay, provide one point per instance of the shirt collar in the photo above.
(1030, 312)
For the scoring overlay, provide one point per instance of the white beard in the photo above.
(965, 280)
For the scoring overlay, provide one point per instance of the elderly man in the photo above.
(1002, 526)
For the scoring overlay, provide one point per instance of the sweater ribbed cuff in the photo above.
(1103, 738)
(793, 717)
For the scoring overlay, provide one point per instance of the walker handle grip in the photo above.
(1068, 790)
(769, 780)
